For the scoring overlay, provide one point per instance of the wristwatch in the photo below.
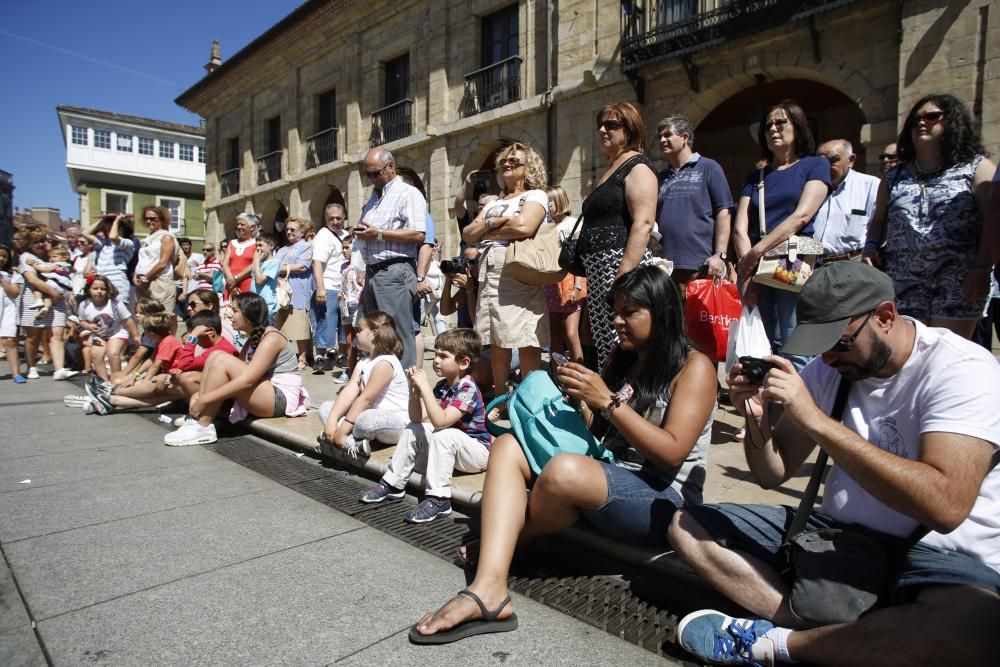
(421, 279)
(192, 339)
(379, 237)
(722, 255)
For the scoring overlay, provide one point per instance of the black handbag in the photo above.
(837, 574)
(569, 257)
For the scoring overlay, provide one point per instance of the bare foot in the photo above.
(461, 609)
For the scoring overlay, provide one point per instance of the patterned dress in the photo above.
(603, 237)
(932, 239)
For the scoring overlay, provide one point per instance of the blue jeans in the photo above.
(639, 507)
(777, 309)
(325, 320)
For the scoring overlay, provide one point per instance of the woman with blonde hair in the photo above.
(565, 298)
(154, 271)
(511, 314)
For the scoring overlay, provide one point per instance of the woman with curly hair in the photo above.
(930, 212)
(264, 381)
(154, 272)
(618, 216)
(511, 314)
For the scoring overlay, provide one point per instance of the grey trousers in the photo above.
(391, 291)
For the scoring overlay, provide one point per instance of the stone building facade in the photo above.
(444, 84)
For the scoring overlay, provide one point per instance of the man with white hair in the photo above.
(326, 264)
(392, 227)
(841, 223)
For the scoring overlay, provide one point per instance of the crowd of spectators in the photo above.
(905, 279)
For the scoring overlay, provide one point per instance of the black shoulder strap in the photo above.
(812, 489)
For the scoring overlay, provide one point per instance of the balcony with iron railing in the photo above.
(656, 30)
(229, 182)
(391, 123)
(269, 167)
(321, 148)
(492, 86)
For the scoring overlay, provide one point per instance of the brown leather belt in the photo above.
(853, 254)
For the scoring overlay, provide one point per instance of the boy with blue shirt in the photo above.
(455, 438)
(265, 274)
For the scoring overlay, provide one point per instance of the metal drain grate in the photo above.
(608, 602)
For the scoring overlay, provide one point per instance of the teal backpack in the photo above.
(544, 424)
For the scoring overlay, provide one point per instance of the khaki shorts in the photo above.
(294, 324)
(510, 313)
(163, 290)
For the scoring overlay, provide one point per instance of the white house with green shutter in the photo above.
(120, 163)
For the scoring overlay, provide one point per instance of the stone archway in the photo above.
(728, 132)
(321, 197)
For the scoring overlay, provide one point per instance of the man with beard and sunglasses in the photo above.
(913, 469)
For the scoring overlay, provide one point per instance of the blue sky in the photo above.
(129, 57)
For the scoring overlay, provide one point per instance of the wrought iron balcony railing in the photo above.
(655, 30)
(321, 148)
(492, 86)
(391, 123)
(269, 167)
(229, 182)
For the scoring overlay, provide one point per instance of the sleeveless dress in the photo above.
(932, 240)
(240, 257)
(603, 237)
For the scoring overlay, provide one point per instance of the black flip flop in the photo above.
(487, 624)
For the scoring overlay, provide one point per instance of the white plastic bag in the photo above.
(747, 338)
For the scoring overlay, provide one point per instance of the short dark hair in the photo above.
(183, 239)
(461, 343)
(805, 144)
(206, 318)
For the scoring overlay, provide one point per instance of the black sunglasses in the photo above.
(610, 124)
(888, 156)
(848, 344)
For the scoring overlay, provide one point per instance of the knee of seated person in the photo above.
(504, 448)
(561, 474)
(679, 531)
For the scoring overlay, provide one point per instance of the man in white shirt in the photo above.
(914, 459)
(842, 221)
(327, 261)
(392, 228)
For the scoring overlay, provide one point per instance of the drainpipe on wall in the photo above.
(550, 110)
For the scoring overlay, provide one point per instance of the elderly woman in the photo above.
(295, 263)
(54, 320)
(509, 313)
(154, 271)
(237, 258)
(934, 205)
(618, 216)
(795, 184)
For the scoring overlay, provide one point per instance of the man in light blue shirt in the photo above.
(842, 221)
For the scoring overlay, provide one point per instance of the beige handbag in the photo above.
(789, 264)
(535, 260)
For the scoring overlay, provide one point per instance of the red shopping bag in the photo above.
(709, 307)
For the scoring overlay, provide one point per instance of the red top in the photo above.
(187, 360)
(239, 262)
(166, 352)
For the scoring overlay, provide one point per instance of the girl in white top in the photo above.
(11, 284)
(105, 327)
(374, 405)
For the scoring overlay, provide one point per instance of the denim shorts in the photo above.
(280, 402)
(758, 530)
(639, 506)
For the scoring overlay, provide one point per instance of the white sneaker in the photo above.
(184, 419)
(88, 407)
(342, 378)
(74, 400)
(64, 374)
(191, 434)
(32, 373)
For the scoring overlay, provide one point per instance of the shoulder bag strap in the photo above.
(812, 489)
(760, 205)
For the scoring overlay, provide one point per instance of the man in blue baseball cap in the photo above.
(913, 457)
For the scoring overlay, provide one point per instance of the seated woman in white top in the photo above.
(374, 405)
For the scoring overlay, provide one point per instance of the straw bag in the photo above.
(789, 264)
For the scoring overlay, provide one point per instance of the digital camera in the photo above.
(755, 369)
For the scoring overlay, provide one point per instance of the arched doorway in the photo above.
(322, 197)
(728, 134)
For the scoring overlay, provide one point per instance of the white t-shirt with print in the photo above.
(949, 385)
(513, 206)
(396, 396)
(109, 317)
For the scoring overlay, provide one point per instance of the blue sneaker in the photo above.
(722, 640)
(429, 509)
(19, 379)
(382, 492)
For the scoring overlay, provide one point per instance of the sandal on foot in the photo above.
(487, 624)
(471, 556)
